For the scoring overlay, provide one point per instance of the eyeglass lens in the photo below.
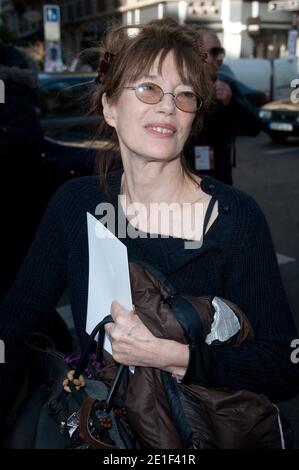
(216, 51)
(151, 93)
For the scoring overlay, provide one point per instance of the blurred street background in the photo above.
(261, 42)
(269, 172)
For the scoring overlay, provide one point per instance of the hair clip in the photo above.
(203, 56)
(104, 66)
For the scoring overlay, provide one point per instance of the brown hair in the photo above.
(133, 56)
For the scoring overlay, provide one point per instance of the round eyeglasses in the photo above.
(150, 93)
(216, 51)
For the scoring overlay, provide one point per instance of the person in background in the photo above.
(27, 181)
(212, 150)
(20, 150)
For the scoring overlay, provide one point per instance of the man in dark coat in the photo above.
(211, 151)
(20, 149)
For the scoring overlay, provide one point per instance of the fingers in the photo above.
(117, 309)
(223, 92)
(121, 316)
(118, 312)
(109, 328)
(221, 84)
(121, 331)
(222, 87)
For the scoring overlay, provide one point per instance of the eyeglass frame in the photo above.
(220, 50)
(135, 88)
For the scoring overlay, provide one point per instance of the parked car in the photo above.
(63, 103)
(266, 75)
(280, 119)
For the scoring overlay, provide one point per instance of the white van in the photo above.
(257, 74)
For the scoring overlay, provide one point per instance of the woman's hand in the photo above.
(134, 344)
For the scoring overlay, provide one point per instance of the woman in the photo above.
(152, 90)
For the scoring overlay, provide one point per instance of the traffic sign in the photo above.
(287, 5)
(52, 13)
(52, 22)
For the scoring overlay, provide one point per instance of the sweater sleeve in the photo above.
(32, 299)
(252, 281)
(240, 114)
(244, 118)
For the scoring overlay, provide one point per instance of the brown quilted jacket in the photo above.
(166, 415)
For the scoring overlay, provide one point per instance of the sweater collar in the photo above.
(169, 254)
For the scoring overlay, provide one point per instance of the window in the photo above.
(88, 7)
(70, 12)
(63, 97)
(79, 10)
(101, 5)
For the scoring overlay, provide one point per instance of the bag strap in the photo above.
(208, 214)
(114, 386)
(89, 403)
(99, 329)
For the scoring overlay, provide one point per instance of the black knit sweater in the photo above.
(236, 261)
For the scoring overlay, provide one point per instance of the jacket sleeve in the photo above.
(252, 281)
(240, 115)
(32, 300)
(244, 118)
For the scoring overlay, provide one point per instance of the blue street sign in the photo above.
(52, 14)
(52, 22)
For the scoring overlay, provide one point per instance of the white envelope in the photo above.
(108, 274)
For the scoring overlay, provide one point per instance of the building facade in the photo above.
(246, 28)
(82, 21)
